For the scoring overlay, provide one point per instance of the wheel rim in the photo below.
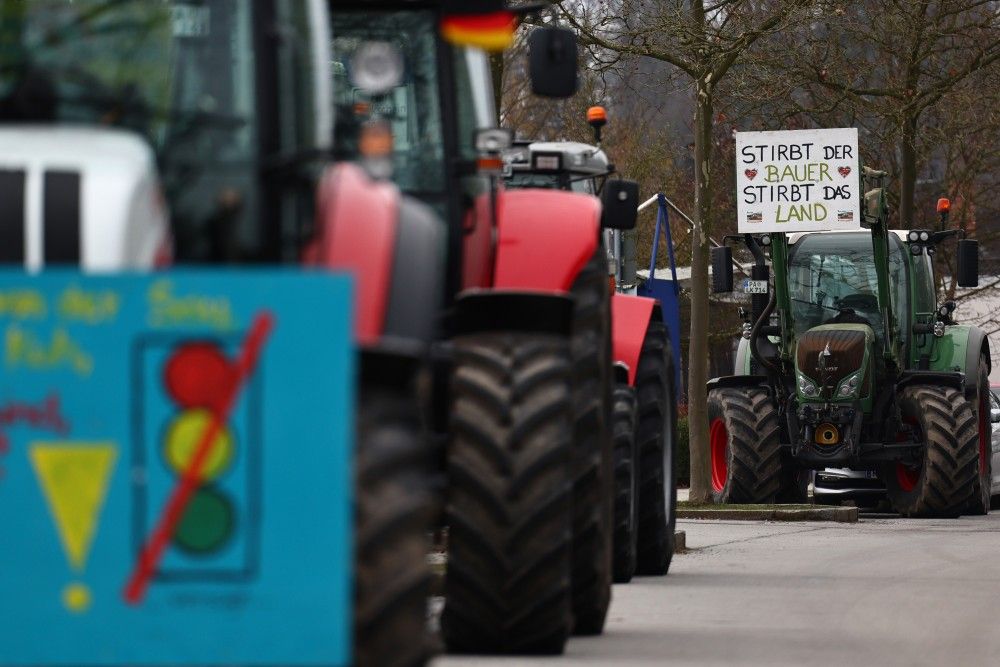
(907, 476)
(718, 439)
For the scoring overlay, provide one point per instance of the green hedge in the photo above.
(683, 463)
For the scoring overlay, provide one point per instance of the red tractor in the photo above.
(645, 406)
(522, 390)
(210, 127)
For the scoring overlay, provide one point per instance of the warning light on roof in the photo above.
(597, 116)
(944, 205)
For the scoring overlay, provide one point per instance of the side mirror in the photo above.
(873, 206)
(968, 263)
(995, 415)
(552, 62)
(621, 204)
(722, 269)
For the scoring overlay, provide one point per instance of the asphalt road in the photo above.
(884, 591)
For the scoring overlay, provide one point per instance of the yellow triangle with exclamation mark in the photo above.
(74, 478)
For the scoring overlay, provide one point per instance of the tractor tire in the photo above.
(391, 575)
(943, 484)
(593, 460)
(626, 484)
(981, 499)
(509, 512)
(746, 459)
(656, 432)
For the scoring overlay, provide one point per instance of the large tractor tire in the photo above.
(943, 483)
(392, 578)
(626, 483)
(509, 513)
(743, 427)
(593, 462)
(981, 499)
(655, 437)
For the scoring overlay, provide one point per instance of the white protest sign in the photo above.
(797, 181)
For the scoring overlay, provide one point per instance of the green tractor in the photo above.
(848, 361)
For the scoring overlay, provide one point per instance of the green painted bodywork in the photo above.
(949, 351)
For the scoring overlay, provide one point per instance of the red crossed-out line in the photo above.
(191, 480)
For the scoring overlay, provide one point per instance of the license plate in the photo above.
(755, 286)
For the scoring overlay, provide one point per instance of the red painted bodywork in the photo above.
(477, 245)
(544, 238)
(629, 319)
(356, 223)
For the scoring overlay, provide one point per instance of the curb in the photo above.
(837, 514)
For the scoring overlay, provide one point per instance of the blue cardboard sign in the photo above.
(116, 552)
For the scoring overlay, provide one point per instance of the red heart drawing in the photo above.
(844, 171)
(750, 173)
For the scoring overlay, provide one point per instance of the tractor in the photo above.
(137, 134)
(644, 410)
(848, 361)
(520, 398)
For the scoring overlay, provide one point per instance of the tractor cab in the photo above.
(558, 165)
(127, 125)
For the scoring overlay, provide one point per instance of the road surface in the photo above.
(884, 591)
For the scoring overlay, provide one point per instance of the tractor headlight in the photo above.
(849, 385)
(806, 386)
(913, 237)
(925, 237)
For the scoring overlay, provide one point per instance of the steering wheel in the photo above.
(868, 302)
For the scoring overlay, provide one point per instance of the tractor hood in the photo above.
(87, 197)
(832, 362)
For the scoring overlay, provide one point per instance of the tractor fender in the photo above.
(630, 316)
(394, 248)
(544, 238)
(480, 310)
(356, 220)
(959, 350)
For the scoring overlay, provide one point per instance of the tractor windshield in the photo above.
(832, 278)
(402, 90)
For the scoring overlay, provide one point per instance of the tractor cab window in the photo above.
(832, 278)
(528, 179)
(385, 69)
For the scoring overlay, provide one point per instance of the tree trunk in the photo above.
(907, 171)
(698, 352)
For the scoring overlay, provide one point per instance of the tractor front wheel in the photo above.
(391, 576)
(943, 481)
(626, 483)
(593, 510)
(746, 457)
(984, 480)
(655, 437)
(509, 511)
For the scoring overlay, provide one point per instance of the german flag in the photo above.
(492, 32)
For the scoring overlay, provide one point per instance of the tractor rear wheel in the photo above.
(509, 512)
(626, 483)
(746, 457)
(593, 463)
(655, 437)
(391, 513)
(942, 483)
(984, 480)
